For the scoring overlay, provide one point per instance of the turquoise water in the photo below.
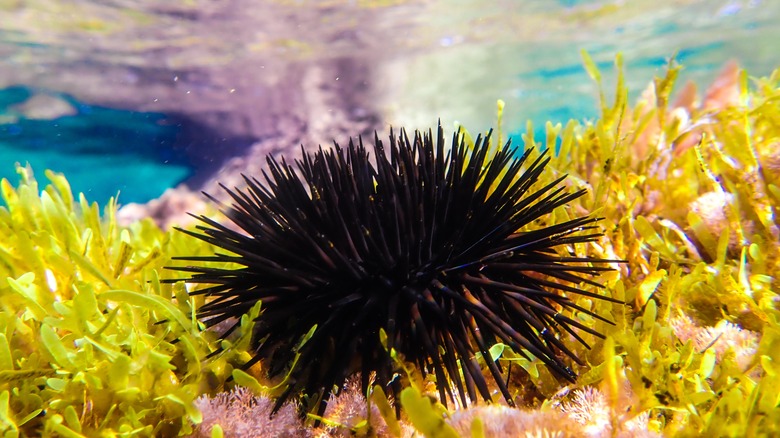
(528, 54)
(120, 79)
(104, 152)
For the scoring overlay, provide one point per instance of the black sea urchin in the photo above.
(425, 243)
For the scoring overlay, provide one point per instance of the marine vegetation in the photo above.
(95, 342)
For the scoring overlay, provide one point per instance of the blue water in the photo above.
(104, 152)
(695, 59)
(457, 61)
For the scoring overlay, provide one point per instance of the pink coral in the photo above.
(722, 337)
(590, 408)
(242, 414)
(502, 421)
(349, 408)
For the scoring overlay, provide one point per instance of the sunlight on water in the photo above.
(528, 54)
(193, 84)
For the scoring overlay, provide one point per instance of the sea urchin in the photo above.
(427, 244)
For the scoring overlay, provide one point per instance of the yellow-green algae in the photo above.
(92, 344)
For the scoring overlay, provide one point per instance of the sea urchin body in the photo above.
(428, 244)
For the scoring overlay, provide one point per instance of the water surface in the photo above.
(139, 95)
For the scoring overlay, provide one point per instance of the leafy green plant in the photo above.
(654, 169)
(91, 343)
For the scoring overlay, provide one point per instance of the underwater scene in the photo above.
(389, 218)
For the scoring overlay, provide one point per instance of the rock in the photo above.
(44, 106)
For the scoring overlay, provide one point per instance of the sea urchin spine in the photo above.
(427, 244)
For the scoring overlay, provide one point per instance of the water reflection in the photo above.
(245, 78)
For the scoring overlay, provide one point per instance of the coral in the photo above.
(498, 421)
(239, 413)
(597, 417)
(724, 337)
(347, 415)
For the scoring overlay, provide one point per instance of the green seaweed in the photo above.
(90, 342)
